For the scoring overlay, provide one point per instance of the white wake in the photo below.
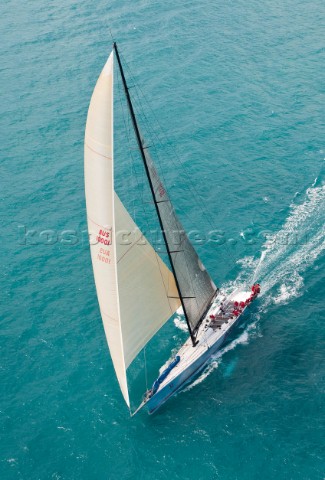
(291, 251)
(286, 255)
(216, 359)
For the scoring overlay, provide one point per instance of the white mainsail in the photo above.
(136, 291)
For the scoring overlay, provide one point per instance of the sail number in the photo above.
(104, 255)
(103, 259)
(104, 237)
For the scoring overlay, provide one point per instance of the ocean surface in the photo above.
(238, 91)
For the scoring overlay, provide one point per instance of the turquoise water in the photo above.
(238, 88)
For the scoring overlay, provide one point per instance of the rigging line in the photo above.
(136, 181)
(185, 262)
(110, 32)
(138, 87)
(138, 178)
(154, 133)
(151, 134)
(123, 115)
(189, 279)
(146, 166)
(186, 265)
(127, 131)
(183, 212)
(162, 279)
(191, 284)
(157, 257)
(141, 112)
(132, 163)
(148, 128)
(140, 188)
(130, 156)
(145, 367)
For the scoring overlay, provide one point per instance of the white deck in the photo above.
(208, 334)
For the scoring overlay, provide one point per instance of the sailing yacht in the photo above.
(137, 292)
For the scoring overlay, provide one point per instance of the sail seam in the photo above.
(125, 253)
(98, 153)
(98, 224)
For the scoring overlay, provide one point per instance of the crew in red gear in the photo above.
(256, 289)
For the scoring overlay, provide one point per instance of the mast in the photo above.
(141, 148)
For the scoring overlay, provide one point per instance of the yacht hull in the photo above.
(186, 373)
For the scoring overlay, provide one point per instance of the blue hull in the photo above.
(187, 375)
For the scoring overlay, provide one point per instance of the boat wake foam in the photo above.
(216, 359)
(284, 259)
(294, 248)
(180, 323)
(287, 254)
